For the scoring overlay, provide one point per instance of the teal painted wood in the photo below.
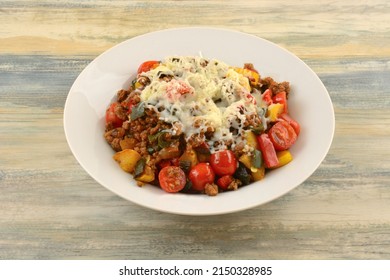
(51, 209)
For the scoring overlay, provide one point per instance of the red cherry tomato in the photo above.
(147, 66)
(111, 117)
(175, 87)
(172, 179)
(223, 162)
(291, 122)
(200, 175)
(268, 151)
(282, 135)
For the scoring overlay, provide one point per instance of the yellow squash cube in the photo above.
(127, 159)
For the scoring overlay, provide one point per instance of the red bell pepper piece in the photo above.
(281, 98)
(268, 150)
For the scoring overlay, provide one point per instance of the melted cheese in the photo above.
(201, 94)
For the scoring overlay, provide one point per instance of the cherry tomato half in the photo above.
(147, 66)
(177, 87)
(200, 175)
(282, 135)
(111, 117)
(223, 162)
(172, 179)
(291, 122)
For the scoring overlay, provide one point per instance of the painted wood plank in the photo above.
(55, 209)
(51, 209)
(322, 28)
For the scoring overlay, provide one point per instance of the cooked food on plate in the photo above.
(196, 125)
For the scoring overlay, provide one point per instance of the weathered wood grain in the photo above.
(51, 209)
(321, 28)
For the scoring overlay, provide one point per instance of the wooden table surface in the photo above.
(50, 208)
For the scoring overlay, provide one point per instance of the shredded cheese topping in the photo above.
(201, 95)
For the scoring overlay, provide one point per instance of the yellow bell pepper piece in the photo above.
(247, 161)
(274, 111)
(251, 140)
(284, 157)
(138, 85)
(252, 76)
(259, 174)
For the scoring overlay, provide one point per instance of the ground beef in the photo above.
(276, 87)
(114, 136)
(141, 128)
(211, 189)
(122, 95)
(121, 112)
(234, 185)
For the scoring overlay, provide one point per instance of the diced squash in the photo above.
(189, 156)
(274, 111)
(284, 157)
(127, 159)
(127, 143)
(169, 152)
(147, 176)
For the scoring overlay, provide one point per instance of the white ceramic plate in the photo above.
(98, 83)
